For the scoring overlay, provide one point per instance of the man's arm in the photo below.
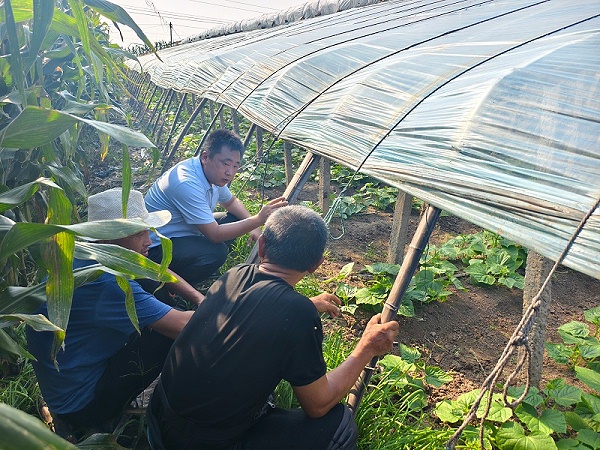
(171, 324)
(318, 397)
(184, 289)
(247, 223)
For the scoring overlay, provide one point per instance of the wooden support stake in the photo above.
(411, 262)
(292, 191)
(536, 272)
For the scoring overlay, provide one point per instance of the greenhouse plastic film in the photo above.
(488, 110)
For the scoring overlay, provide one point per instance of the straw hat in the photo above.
(107, 205)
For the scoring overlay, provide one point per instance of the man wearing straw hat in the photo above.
(190, 191)
(104, 362)
(253, 330)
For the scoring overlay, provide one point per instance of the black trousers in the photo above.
(277, 429)
(195, 258)
(127, 374)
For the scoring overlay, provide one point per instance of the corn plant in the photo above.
(57, 90)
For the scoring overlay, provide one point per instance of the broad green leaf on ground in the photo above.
(593, 315)
(562, 393)
(450, 411)
(410, 354)
(550, 421)
(497, 411)
(49, 124)
(434, 376)
(588, 376)
(574, 332)
(576, 421)
(19, 430)
(559, 352)
(394, 361)
(532, 398)
(590, 352)
(569, 444)
(589, 438)
(511, 436)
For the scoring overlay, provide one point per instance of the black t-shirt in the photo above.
(251, 331)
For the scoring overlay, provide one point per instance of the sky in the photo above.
(189, 17)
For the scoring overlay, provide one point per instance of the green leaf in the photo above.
(365, 296)
(409, 354)
(21, 194)
(568, 444)
(19, 430)
(559, 352)
(43, 12)
(118, 14)
(434, 376)
(589, 438)
(575, 421)
(449, 411)
(7, 344)
(532, 398)
(129, 301)
(511, 436)
(38, 322)
(50, 124)
(548, 422)
(562, 393)
(574, 330)
(497, 412)
(589, 377)
(593, 315)
(122, 260)
(16, 67)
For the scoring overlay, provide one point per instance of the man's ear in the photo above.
(261, 246)
(312, 270)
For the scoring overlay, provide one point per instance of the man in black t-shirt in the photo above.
(253, 330)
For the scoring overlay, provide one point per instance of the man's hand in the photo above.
(327, 303)
(253, 237)
(268, 209)
(379, 338)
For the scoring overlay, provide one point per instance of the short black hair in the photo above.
(295, 238)
(222, 138)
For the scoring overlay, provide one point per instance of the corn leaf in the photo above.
(35, 127)
(21, 430)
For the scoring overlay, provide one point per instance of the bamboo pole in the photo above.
(161, 106)
(411, 262)
(292, 191)
(158, 103)
(182, 103)
(164, 119)
(212, 124)
(186, 128)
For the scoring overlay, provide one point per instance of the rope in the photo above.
(518, 338)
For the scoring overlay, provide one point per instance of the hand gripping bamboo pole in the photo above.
(410, 264)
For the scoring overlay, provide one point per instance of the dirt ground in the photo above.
(466, 334)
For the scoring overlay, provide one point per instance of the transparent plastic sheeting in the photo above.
(486, 109)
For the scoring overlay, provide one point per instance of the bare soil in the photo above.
(466, 334)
